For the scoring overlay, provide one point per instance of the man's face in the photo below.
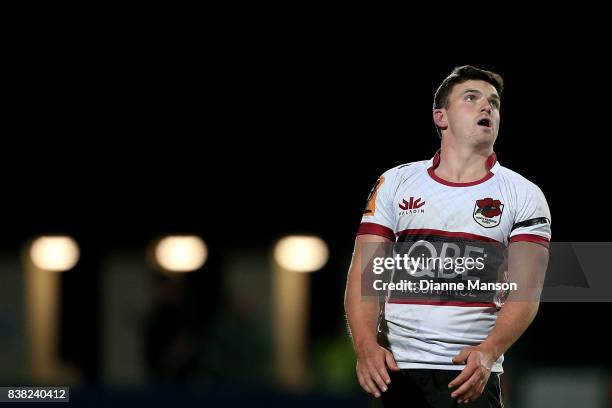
(473, 113)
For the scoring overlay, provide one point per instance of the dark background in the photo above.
(246, 140)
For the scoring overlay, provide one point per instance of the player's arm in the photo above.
(527, 263)
(362, 315)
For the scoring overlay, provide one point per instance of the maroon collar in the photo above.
(436, 162)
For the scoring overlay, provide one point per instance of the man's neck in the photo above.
(462, 164)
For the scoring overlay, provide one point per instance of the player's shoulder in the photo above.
(396, 176)
(516, 180)
(407, 169)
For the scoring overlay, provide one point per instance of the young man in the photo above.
(443, 353)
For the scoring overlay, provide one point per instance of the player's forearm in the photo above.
(362, 317)
(512, 321)
(361, 313)
(527, 263)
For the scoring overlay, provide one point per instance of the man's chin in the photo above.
(486, 130)
(484, 140)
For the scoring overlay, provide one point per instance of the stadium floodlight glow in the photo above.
(54, 253)
(181, 253)
(301, 253)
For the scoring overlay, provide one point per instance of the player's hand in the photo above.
(372, 363)
(473, 379)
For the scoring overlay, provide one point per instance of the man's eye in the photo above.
(495, 104)
(470, 97)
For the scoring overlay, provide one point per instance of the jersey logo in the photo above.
(412, 205)
(488, 212)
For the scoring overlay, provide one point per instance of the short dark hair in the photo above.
(460, 75)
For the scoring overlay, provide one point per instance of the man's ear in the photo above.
(439, 117)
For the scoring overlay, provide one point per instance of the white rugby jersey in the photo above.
(410, 202)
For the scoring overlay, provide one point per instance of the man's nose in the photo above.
(486, 107)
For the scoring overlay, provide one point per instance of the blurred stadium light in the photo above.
(42, 291)
(291, 295)
(301, 253)
(54, 253)
(177, 253)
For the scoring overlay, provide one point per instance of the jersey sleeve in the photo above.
(532, 220)
(378, 216)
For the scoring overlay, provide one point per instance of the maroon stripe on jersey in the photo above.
(440, 303)
(530, 238)
(453, 184)
(491, 160)
(376, 229)
(447, 234)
